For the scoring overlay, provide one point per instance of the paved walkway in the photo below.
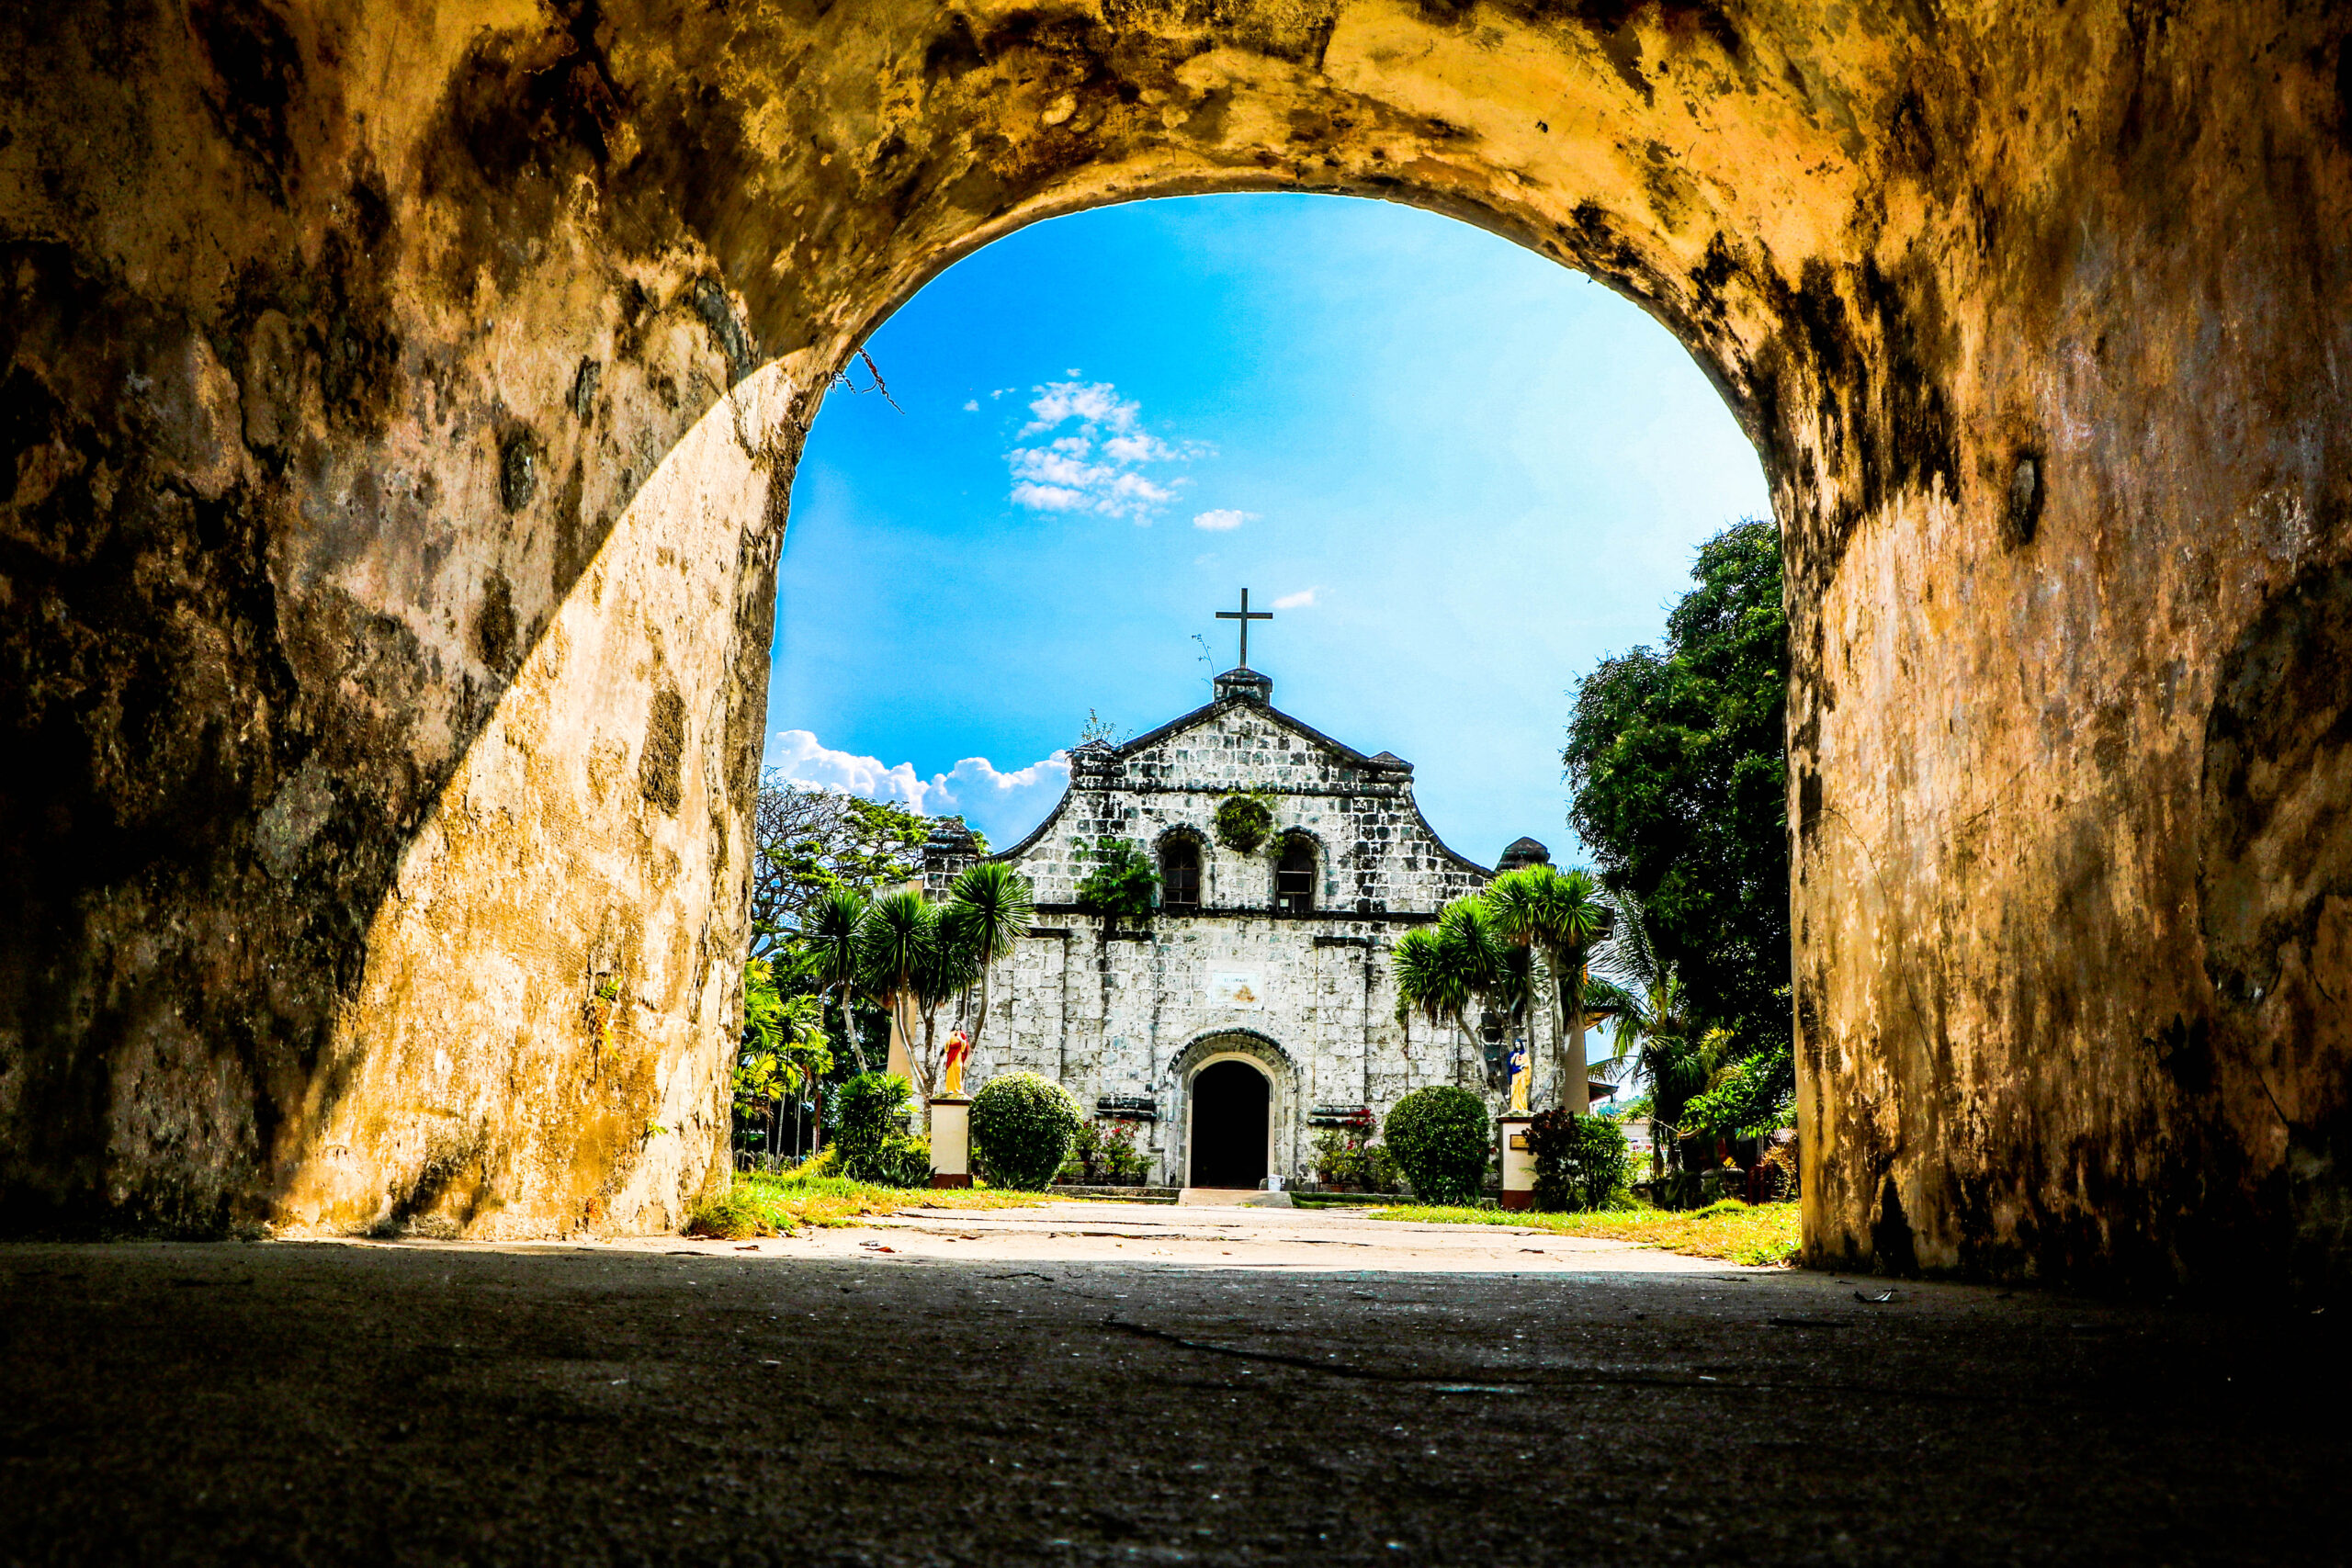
(1108, 1383)
(1161, 1235)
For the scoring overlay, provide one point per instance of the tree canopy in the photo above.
(1679, 771)
(809, 842)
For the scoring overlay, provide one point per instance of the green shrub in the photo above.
(870, 1141)
(731, 1215)
(1755, 1095)
(1242, 822)
(1124, 883)
(1439, 1138)
(1581, 1162)
(1023, 1127)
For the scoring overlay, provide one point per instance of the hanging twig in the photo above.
(841, 378)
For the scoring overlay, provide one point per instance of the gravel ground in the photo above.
(1116, 1383)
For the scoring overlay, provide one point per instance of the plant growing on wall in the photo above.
(1243, 822)
(1124, 883)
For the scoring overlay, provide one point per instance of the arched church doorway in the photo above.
(1231, 1101)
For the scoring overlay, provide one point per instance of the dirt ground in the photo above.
(1106, 1383)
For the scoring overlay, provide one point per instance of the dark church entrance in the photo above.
(1229, 1108)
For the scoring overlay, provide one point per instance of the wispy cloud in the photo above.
(972, 405)
(1003, 804)
(1301, 600)
(1218, 522)
(1096, 456)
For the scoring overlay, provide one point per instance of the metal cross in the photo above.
(1245, 615)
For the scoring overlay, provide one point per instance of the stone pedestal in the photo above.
(951, 1143)
(1519, 1162)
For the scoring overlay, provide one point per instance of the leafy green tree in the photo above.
(782, 1049)
(1678, 767)
(807, 842)
(896, 941)
(1657, 1028)
(1124, 883)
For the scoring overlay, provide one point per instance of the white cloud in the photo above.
(972, 405)
(1303, 599)
(1001, 803)
(1097, 465)
(1218, 522)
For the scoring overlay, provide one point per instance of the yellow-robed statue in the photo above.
(951, 1072)
(1520, 1074)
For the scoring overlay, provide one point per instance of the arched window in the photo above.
(1180, 875)
(1295, 877)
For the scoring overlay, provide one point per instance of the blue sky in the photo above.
(1460, 473)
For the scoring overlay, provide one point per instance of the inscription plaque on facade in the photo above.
(1244, 989)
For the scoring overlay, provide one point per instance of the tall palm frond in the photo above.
(990, 910)
(829, 954)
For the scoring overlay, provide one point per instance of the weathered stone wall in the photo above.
(338, 344)
(1127, 1010)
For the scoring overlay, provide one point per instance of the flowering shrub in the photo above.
(1345, 1158)
(1105, 1151)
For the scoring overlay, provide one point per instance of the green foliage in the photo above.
(807, 842)
(782, 1049)
(731, 1215)
(870, 1138)
(1676, 762)
(1440, 1139)
(1581, 1162)
(1022, 1129)
(1124, 883)
(1343, 1158)
(1243, 821)
(988, 909)
(1105, 1151)
(1756, 1095)
(1559, 914)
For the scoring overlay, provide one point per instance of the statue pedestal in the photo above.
(1519, 1164)
(951, 1143)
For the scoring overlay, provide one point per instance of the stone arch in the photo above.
(407, 452)
(1262, 1052)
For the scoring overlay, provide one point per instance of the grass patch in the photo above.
(761, 1204)
(1764, 1234)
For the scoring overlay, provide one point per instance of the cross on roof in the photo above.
(1245, 615)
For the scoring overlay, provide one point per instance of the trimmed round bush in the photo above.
(1439, 1138)
(1023, 1127)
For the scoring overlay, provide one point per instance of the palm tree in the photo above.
(1657, 1029)
(990, 909)
(1442, 971)
(947, 965)
(895, 940)
(829, 954)
(1561, 915)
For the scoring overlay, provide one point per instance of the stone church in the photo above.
(1256, 1005)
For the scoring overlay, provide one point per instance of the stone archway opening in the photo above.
(389, 403)
(1230, 1105)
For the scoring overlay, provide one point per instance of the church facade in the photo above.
(1256, 1005)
